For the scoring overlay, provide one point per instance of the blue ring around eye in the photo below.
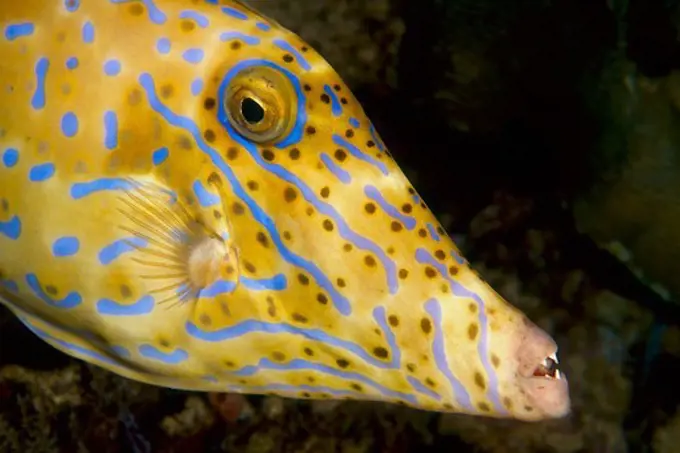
(296, 132)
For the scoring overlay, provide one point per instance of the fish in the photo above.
(191, 197)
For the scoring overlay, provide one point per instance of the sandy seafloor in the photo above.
(520, 239)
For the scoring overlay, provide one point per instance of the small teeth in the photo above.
(558, 375)
(553, 356)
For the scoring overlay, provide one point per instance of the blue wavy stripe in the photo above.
(356, 152)
(457, 289)
(301, 365)
(438, 349)
(339, 172)
(71, 300)
(420, 388)
(253, 326)
(374, 194)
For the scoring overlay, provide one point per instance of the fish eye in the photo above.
(260, 103)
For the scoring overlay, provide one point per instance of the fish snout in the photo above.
(540, 379)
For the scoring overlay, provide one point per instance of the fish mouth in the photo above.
(548, 368)
(545, 387)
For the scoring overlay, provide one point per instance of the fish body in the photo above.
(191, 197)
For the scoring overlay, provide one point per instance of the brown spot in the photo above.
(235, 45)
(287, 236)
(125, 291)
(229, 364)
(453, 270)
(187, 25)
(406, 208)
(341, 282)
(205, 319)
(479, 381)
(528, 408)
(135, 97)
(393, 320)
(167, 91)
(325, 192)
(507, 402)
(311, 379)
(326, 99)
(249, 267)
(390, 250)
(347, 247)
(422, 233)
(430, 382)
(336, 87)
(472, 307)
(430, 272)
(380, 352)
(447, 406)
(303, 279)
(440, 255)
(370, 143)
(278, 356)
(411, 367)
(340, 155)
(495, 361)
(342, 363)
(369, 261)
(349, 133)
(51, 290)
(135, 9)
(396, 226)
(343, 101)
(271, 308)
(306, 395)
(232, 153)
(484, 407)
(253, 185)
(356, 387)
(403, 273)
(268, 155)
(327, 225)
(237, 208)
(306, 87)
(262, 239)
(321, 298)
(294, 154)
(288, 58)
(426, 325)
(472, 331)
(308, 352)
(289, 194)
(309, 210)
(369, 207)
(209, 135)
(311, 130)
(209, 103)
(299, 318)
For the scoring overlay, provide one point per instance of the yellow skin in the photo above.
(200, 203)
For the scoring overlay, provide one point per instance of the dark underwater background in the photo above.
(545, 134)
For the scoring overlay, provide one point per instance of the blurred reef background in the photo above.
(546, 136)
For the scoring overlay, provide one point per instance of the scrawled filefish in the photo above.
(191, 197)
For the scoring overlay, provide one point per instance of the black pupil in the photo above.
(252, 112)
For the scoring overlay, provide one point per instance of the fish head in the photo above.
(371, 282)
